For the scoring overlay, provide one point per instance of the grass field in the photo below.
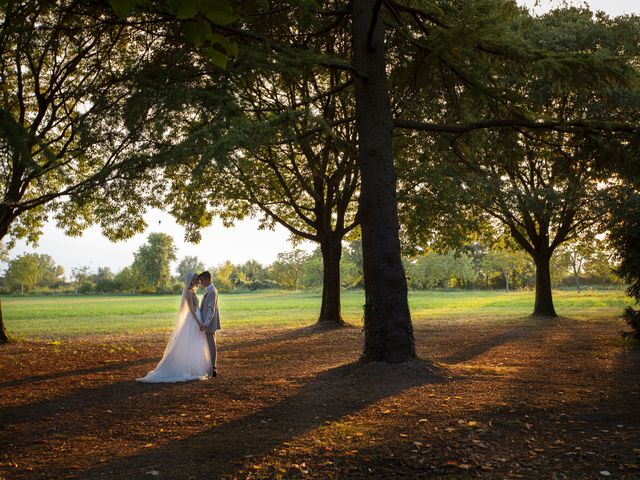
(493, 394)
(55, 317)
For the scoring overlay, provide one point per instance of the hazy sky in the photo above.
(238, 244)
(218, 244)
(612, 7)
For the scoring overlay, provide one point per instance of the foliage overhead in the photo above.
(64, 147)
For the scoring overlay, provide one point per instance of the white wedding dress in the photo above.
(186, 356)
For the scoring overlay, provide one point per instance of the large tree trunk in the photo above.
(330, 310)
(3, 333)
(544, 297)
(387, 322)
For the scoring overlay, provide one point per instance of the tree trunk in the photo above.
(387, 321)
(506, 281)
(544, 299)
(330, 310)
(3, 333)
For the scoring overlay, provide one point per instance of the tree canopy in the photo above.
(544, 186)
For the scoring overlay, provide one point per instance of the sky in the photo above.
(611, 7)
(238, 244)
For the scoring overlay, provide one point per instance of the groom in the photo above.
(210, 316)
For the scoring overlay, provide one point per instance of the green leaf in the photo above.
(229, 46)
(122, 7)
(197, 32)
(174, 5)
(219, 11)
(186, 9)
(216, 57)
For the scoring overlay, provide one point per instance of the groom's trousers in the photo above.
(211, 341)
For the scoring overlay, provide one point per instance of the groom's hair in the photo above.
(206, 275)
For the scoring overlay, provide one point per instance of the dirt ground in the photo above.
(521, 399)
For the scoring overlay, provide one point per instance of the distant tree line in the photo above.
(472, 266)
(476, 266)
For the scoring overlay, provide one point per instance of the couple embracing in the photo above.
(191, 351)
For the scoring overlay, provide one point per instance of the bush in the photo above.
(625, 239)
(105, 285)
(632, 317)
(263, 285)
(87, 287)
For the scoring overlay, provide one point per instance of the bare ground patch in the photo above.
(520, 399)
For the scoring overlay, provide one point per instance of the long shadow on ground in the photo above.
(534, 327)
(329, 396)
(77, 372)
(286, 336)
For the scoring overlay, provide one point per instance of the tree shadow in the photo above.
(108, 394)
(112, 394)
(330, 396)
(82, 371)
(285, 336)
(288, 335)
(534, 327)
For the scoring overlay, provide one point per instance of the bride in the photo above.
(186, 356)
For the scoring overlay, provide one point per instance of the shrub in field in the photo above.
(106, 285)
(87, 287)
(262, 284)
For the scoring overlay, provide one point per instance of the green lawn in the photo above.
(54, 317)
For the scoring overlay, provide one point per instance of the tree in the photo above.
(65, 151)
(542, 184)
(601, 266)
(313, 270)
(65, 68)
(4, 256)
(388, 330)
(223, 274)
(128, 279)
(189, 264)
(23, 273)
(152, 261)
(440, 270)
(543, 199)
(466, 40)
(300, 172)
(52, 274)
(253, 270)
(578, 255)
(351, 266)
(624, 235)
(501, 261)
(80, 275)
(32, 270)
(104, 280)
(288, 268)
